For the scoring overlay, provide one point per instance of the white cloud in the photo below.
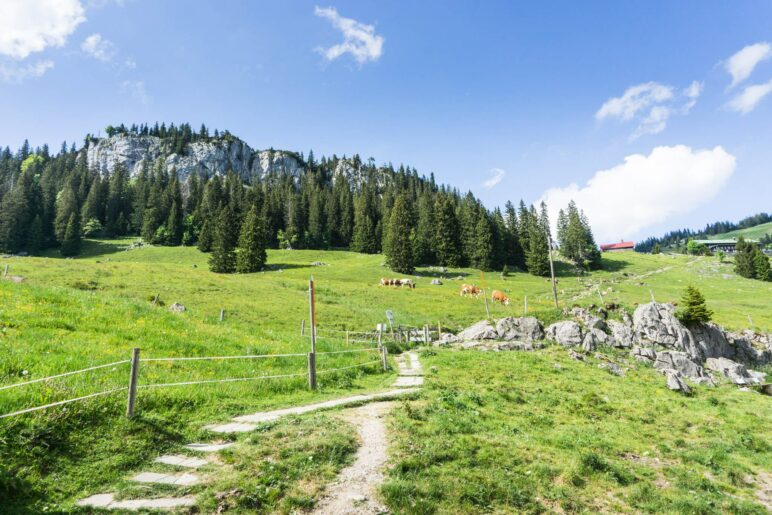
(651, 104)
(28, 26)
(130, 63)
(646, 190)
(634, 100)
(13, 73)
(359, 39)
(750, 97)
(496, 175)
(99, 48)
(136, 90)
(741, 65)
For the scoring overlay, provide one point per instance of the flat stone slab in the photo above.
(183, 479)
(408, 381)
(208, 447)
(231, 427)
(108, 502)
(181, 461)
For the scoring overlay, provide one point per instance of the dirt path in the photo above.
(355, 491)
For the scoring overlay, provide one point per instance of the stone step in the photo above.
(208, 447)
(408, 381)
(108, 502)
(181, 479)
(181, 461)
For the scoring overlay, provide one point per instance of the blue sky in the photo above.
(522, 92)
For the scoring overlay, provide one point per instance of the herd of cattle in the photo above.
(467, 290)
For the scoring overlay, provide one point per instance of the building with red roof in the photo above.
(617, 247)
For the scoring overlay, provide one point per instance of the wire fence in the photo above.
(134, 382)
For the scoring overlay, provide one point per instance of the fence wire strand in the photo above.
(64, 374)
(209, 381)
(36, 408)
(351, 366)
(258, 356)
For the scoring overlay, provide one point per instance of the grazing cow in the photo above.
(406, 282)
(470, 289)
(385, 282)
(498, 296)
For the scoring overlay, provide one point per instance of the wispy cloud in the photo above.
(99, 48)
(29, 26)
(359, 39)
(741, 65)
(750, 97)
(651, 104)
(497, 174)
(17, 73)
(646, 190)
(136, 90)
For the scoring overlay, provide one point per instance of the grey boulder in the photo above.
(621, 335)
(525, 329)
(682, 363)
(675, 382)
(482, 330)
(735, 372)
(567, 333)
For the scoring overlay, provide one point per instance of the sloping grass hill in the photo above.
(753, 233)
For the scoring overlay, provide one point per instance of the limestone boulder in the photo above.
(621, 334)
(522, 329)
(735, 372)
(683, 364)
(567, 333)
(482, 330)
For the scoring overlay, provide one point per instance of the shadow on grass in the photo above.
(91, 249)
(563, 269)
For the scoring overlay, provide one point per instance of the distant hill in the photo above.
(753, 227)
(756, 232)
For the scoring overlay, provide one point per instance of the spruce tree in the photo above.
(251, 255)
(206, 237)
(761, 265)
(447, 243)
(71, 242)
(223, 258)
(743, 259)
(66, 205)
(482, 252)
(398, 246)
(365, 239)
(693, 309)
(537, 257)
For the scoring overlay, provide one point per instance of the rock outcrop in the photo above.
(215, 157)
(567, 333)
(621, 335)
(735, 372)
(682, 363)
(524, 329)
(482, 330)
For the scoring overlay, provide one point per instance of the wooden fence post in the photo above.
(427, 339)
(439, 330)
(155, 300)
(5, 274)
(597, 287)
(525, 307)
(222, 315)
(133, 382)
(312, 316)
(380, 333)
(347, 339)
(385, 363)
(303, 327)
(312, 370)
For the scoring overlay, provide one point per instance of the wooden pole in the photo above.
(303, 327)
(552, 270)
(439, 330)
(427, 340)
(380, 334)
(312, 309)
(597, 287)
(155, 300)
(222, 314)
(485, 295)
(384, 362)
(133, 383)
(312, 370)
(750, 321)
(525, 308)
(347, 339)
(652, 296)
(5, 274)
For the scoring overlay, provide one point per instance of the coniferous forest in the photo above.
(52, 200)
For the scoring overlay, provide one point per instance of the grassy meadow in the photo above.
(69, 314)
(754, 233)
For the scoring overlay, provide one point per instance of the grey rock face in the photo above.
(214, 157)
(482, 330)
(712, 342)
(525, 329)
(656, 323)
(644, 354)
(682, 363)
(621, 335)
(735, 372)
(675, 382)
(567, 333)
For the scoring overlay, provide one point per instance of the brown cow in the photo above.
(470, 289)
(385, 282)
(498, 296)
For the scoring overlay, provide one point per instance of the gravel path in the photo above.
(355, 492)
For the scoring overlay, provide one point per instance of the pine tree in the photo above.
(482, 252)
(174, 227)
(365, 239)
(447, 244)
(537, 256)
(657, 249)
(35, 236)
(693, 309)
(71, 241)
(66, 205)
(223, 258)
(761, 265)
(743, 259)
(251, 255)
(398, 246)
(424, 251)
(206, 237)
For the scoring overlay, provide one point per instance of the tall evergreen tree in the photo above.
(447, 242)
(482, 254)
(365, 239)
(743, 259)
(71, 240)
(223, 258)
(251, 254)
(398, 246)
(537, 257)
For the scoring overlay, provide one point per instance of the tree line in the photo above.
(49, 201)
(678, 239)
